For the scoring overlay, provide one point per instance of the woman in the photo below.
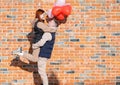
(41, 36)
(42, 43)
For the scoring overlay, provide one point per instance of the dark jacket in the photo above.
(38, 33)
(46, 50)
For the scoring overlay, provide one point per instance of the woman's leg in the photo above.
(32, 57)
(42, 69)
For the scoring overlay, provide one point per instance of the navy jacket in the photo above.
(47, 48)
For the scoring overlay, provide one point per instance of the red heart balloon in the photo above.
(60, 17)
(56, 10)
(66, 10)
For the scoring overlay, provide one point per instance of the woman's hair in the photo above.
(38, 13)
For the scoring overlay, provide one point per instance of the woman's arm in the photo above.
(46, 37)
(45, 27)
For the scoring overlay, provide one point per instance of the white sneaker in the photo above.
(18, 51)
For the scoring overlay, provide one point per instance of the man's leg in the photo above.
(42, 69)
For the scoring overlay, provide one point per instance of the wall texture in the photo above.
(86, 51)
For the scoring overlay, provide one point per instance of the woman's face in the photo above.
(43, 16)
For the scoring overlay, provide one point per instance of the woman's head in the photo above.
(40, 15)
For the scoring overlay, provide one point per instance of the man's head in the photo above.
(60, 21)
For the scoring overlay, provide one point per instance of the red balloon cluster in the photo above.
(61, 11)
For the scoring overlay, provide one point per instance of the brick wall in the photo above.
(87, 47)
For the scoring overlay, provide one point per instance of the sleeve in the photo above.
(46, 28)
(43, 26)
(46, 37)
(33, 22)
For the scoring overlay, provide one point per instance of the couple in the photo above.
(42, 42)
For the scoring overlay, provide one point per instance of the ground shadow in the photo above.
(53, 80)
(31, 66)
